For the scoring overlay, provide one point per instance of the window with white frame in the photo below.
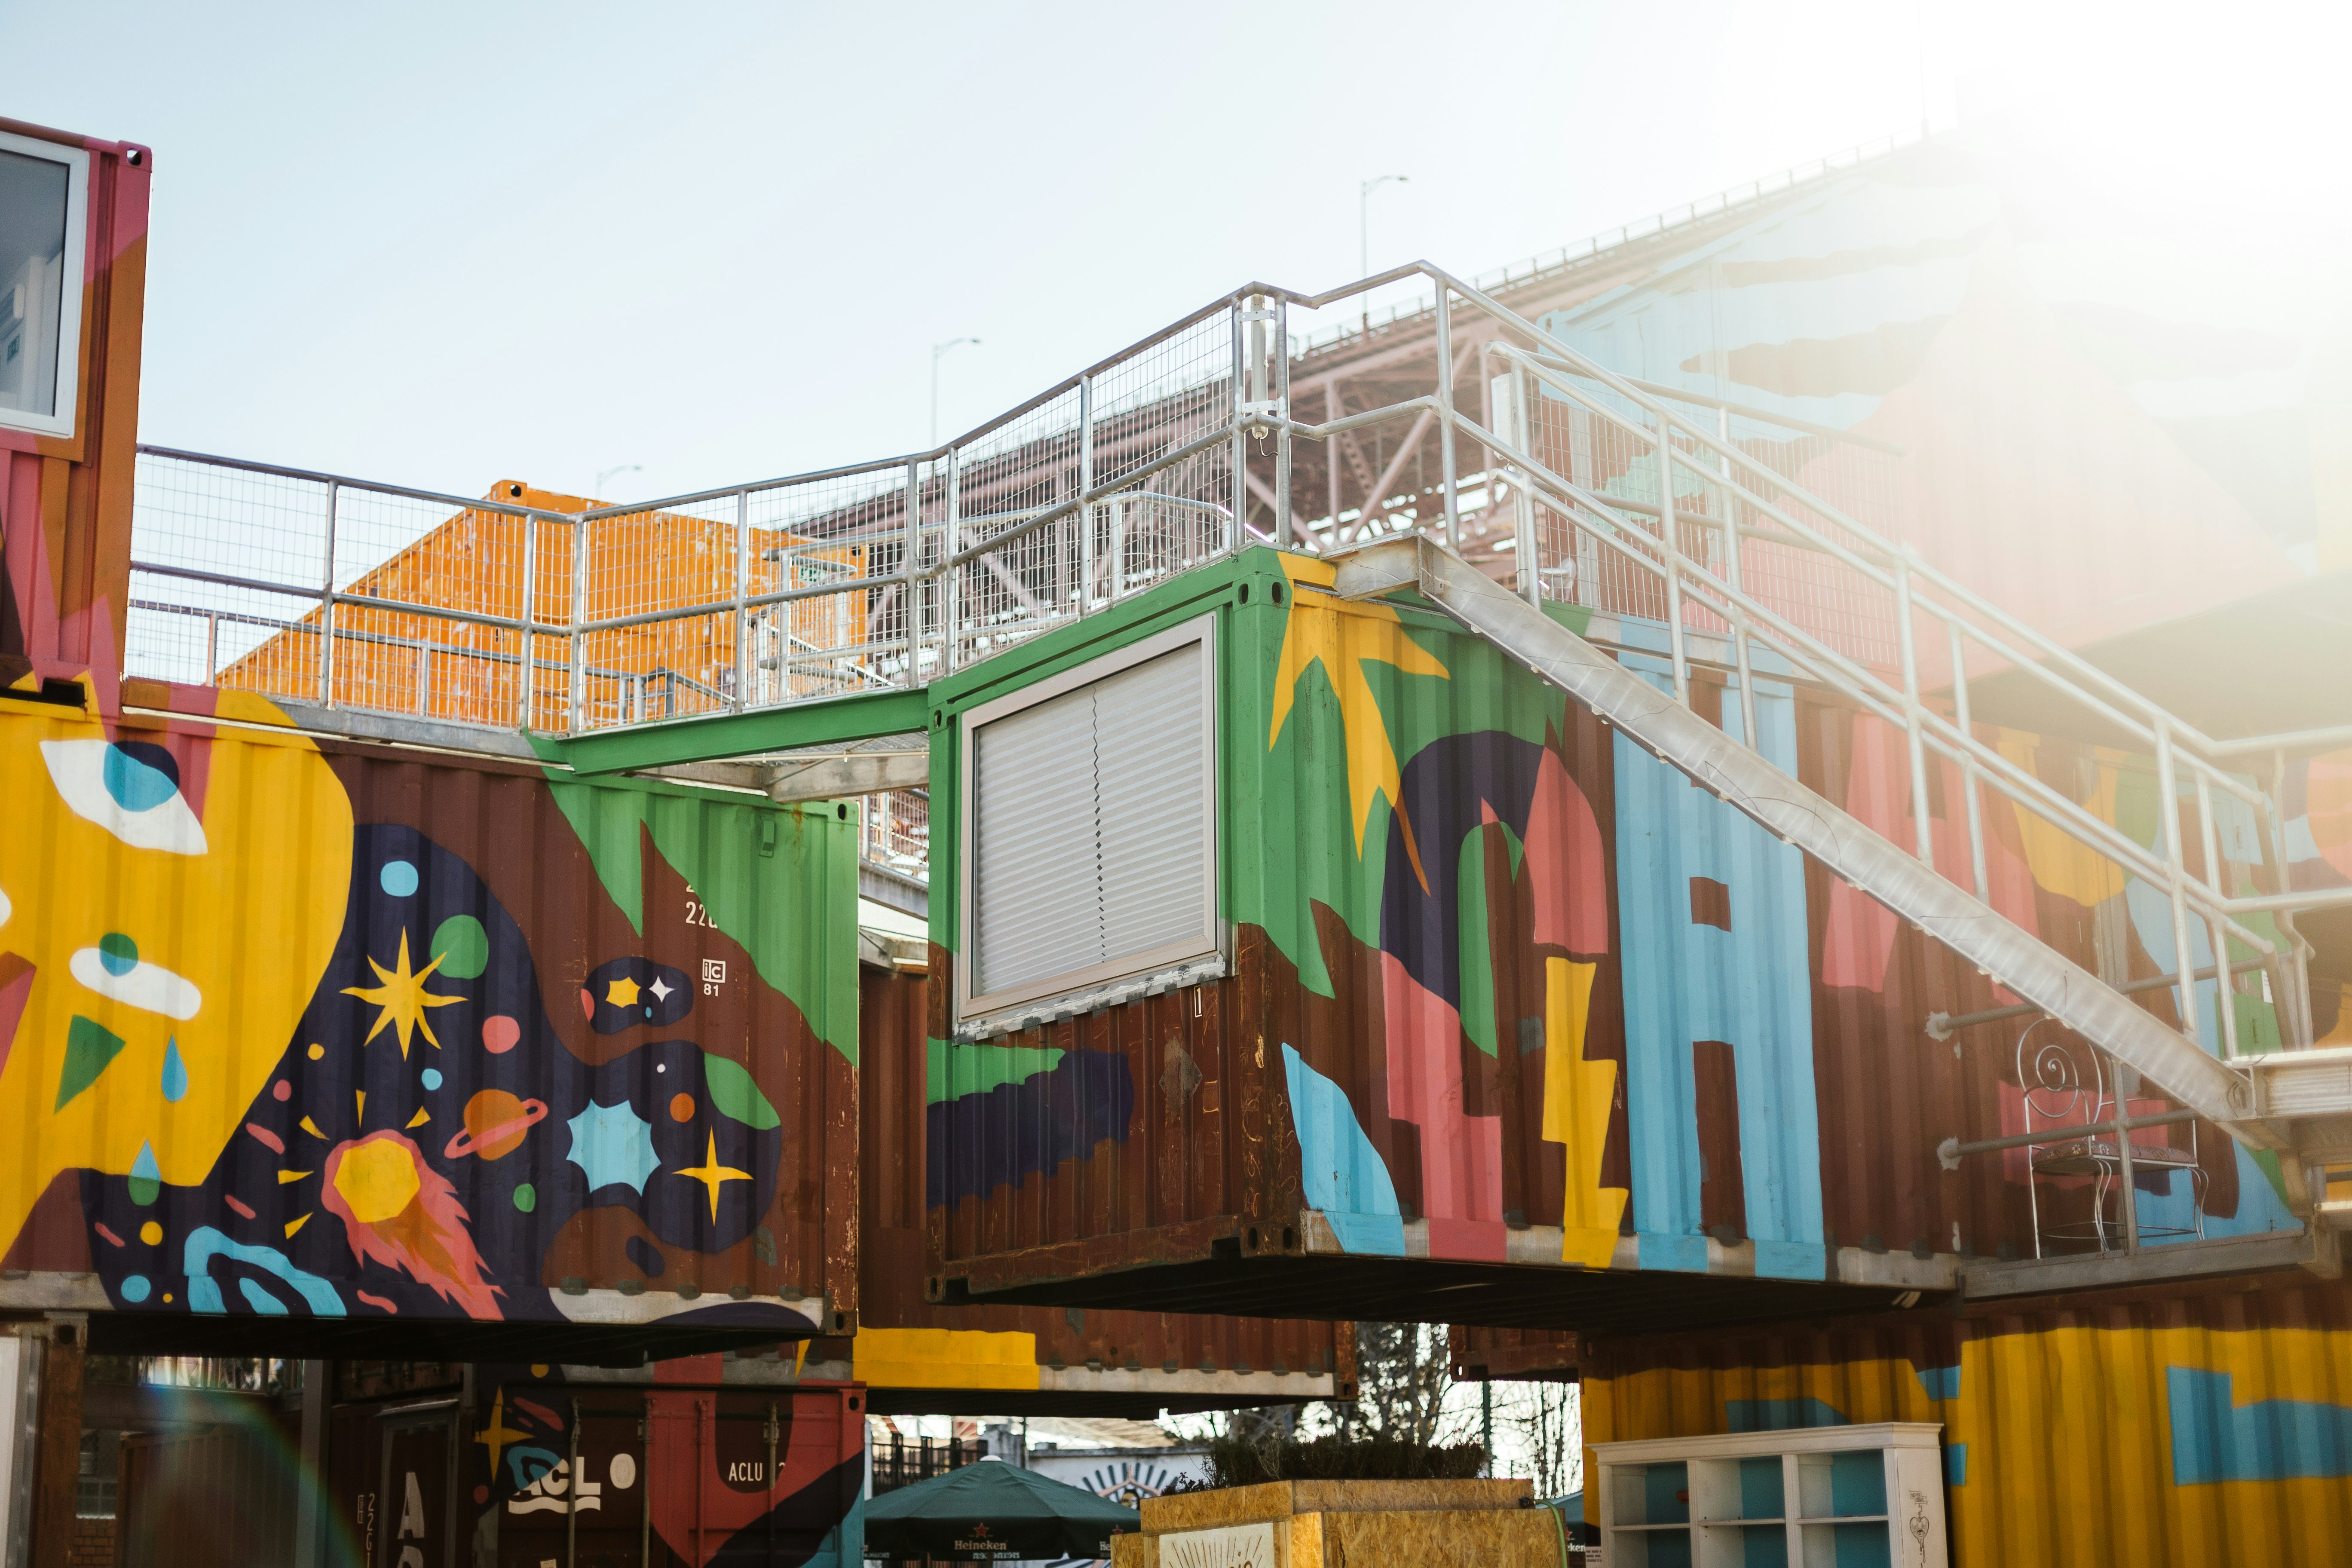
(44, 192)
(1089, 842)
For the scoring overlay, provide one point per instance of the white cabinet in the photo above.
(1822, 1497)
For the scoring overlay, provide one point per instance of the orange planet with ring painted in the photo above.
(496, 1124)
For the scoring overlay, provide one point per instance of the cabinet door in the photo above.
(413, 1525)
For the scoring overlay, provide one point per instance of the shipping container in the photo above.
(517, 556)
(73, 288)
(1478, 1353)
(2194, 1427)
(665, 1469)
(916, 1358)
(216, 1496)
(320, 1045)
(1437, 998)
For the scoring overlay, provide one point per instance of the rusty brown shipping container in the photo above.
(1479, 1355)
(660, 1466)
(1498, 1019)
(324, 1046)
(75, 267)
(210, 1496)
(918, 1358)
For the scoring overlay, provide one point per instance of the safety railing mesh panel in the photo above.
(1828, 600)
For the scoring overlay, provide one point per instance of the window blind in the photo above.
(1092, 827)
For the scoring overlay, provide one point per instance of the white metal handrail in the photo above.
(912, 588)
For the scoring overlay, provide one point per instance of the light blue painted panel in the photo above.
(1343, 1173)
(1751, 986)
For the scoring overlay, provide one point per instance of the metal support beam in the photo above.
(854, 773)
(860, 716)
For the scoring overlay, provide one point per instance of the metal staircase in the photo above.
(1746, 570)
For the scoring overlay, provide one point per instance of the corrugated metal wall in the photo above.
(317, 1038)
(917, 1357)
(2190, 1429)
(699, 1457)
(224, 1496)
(1507, 991)
(1478, 1353)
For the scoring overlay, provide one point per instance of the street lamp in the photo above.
(616, 468)
(1364, 232)
(937, 351)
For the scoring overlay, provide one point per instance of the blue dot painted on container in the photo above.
(398, 878)
(433, 1078)
(140, 776)
(135, 1287)
(118, 954)
(176, 1072)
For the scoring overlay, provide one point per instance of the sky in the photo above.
(702, 245)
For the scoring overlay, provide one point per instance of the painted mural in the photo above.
(705, 1475)
(1521, 973)
(316, 1032)
(1962, 301)
(2191, 1432)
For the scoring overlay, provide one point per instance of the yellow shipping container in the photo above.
(2212, 1429)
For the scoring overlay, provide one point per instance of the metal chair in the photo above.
(2084, 1141)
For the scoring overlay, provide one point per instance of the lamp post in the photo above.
(938, 349)
(1364, 232)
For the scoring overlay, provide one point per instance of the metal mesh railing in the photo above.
(559, 616)
(897, 832)
(1607, 443)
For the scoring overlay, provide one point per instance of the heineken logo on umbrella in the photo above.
(991, 1512)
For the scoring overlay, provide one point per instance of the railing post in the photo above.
(1923, 831)
(907, 573)
(2127, 1172)
(1284, 526)
(1672, 546)
(1118, 545)
(576, 702)
(951, 575)
(530, 682)
(742, 581)
(1968, 764)
(1445, 418)
(1332, 455)
(1086, 488)
(2169, 815)
(2225, 980)
(2287, 969)
(1741, 658)
(212, 646)
(1240, 440)
(327, 606)
(1507, 399)
(425, 675)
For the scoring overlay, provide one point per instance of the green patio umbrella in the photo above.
(992, 1511)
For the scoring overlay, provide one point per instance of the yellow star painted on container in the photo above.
(622, 993)
(402, 997)
(711, 1174)
(1343, 636)
(497, 1434)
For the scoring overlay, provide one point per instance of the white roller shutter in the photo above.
(1093, 830)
